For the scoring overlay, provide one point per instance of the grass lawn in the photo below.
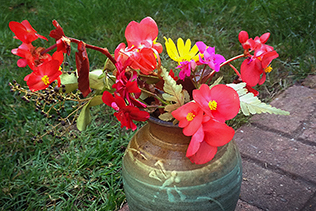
(83, 172)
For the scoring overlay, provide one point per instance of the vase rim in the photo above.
(161, 122)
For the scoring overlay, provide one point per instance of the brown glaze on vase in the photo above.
(158, 176)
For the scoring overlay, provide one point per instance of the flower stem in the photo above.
(236, 71)
(232, 59)
(104, 51)
(153, 94)
(48, 49)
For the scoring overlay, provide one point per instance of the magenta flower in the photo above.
(209, 57)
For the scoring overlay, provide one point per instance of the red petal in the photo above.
(107, 98)
(195, 124)
(58, 32)
(268, 57)
(264, 38)
(250, 73)
(205, 154)
(137, 33)
(195, 142)
(217, 133)
(243, 37)
(228, 103)
(82, 63)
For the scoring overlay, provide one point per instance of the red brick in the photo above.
(287, 154)
(272, 191)
(298, 100)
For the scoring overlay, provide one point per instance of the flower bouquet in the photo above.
(135, 84)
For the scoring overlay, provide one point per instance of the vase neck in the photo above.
(167, 132)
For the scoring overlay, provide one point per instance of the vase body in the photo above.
(157, 175)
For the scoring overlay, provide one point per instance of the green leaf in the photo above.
(95, 81)
(108, 65)
(96, 100)
(249, 104)
(70, 81)
(84, 118)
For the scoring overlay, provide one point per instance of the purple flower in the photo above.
(210, 58)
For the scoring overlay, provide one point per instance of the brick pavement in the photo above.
(279, 154)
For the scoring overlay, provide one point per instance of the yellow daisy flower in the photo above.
(183, 52)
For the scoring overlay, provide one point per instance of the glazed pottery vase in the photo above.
(158, 176)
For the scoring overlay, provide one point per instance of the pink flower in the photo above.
(186, 67)
(221, 102)
(142, 52)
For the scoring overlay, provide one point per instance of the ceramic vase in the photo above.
(157, 175)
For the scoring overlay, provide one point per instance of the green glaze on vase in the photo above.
(158, 176)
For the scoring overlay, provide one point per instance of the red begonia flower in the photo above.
(58, 32)
(44, 75)
(142, 52)
(217, 133)
(253, 69)
(199, 152)
(24, 31)
(126, 86)
(31, 55)
(125, 113)
(221, 102)
(142, 34)
(190, 117)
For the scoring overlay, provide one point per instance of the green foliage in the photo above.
(249, 104)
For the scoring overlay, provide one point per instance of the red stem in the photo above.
(104, 51)
(48, 49)
(236, 71)
(232, 59)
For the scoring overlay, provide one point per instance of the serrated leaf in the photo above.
(70, 81)
(250, 104)
(165, 117)
(84, 118)
(172, 107)
(173, 91)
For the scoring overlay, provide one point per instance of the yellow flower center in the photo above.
(45, 79)
(213, 105)
(268, 69)
(190, 116)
